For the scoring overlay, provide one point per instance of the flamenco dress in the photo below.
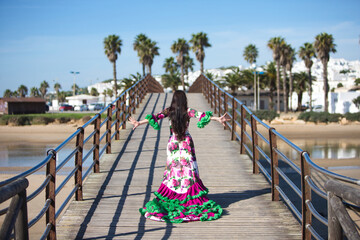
(181, 197)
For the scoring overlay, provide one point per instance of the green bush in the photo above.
(19, 121)
(353, 116)
(266, 114)
(42, 120)
(317, 117)
(3, 120)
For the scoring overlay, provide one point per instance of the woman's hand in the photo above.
(224, 118)
(134, 122)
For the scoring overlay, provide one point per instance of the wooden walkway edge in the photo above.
(133, 171)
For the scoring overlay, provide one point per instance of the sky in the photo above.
(45, 40)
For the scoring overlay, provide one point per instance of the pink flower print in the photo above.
(186, 182)
(174, 182)
(160, 116)
(190, 173)
(185, 146)
(187, 139)
(202, 115)
(183, 161)
(192, 113)
(179, 173)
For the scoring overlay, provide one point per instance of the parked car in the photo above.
(81, 108)
(66, 107)
(95, 106)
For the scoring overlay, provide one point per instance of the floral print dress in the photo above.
(181, 197)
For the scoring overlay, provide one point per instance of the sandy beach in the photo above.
(56, 133)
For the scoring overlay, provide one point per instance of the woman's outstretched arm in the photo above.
(224, 118)
(136, 123)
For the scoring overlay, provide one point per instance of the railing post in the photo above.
(96, 142)
(219, 101)
(233, 113)
(117, 124)
(334, 227)
(123, 126)
(211, 95)
(306, 195)
(215, 100)
(133, 101)
(254, 137)
(273, 165)
(202, 85)
(50, 194)
(108, 129)
(21, 224)
(137, 90)
(225, 108)
(208, 90)
(78, 164)
(243, 129)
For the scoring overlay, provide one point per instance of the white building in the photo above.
(82, 99)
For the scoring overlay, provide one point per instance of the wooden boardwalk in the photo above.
(134, 170)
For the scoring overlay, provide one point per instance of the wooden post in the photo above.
(108, 129)
(274, 164)
(334, 227)
(118, 120)
(96, 142)
(225, 107)
(133, 101)
(243, 129)
(78, 163)
(233, 125)
(215, 100)
(254, 144)
(50, 194)
(124, 112)
(219, 100)
(203, 85)
(306, 195)
(211, 95)
(21, 224)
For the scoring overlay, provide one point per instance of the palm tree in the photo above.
(149, 51)
(170, 65)
(306, 53)
(110, 93)
(289, 65)
(188, 65)
(235, 79)
(269, 82)
(300, 82)
(200, 41)
(15, 94)
(324, 44)
(34, 92)
(181, 47)
(171, 80)
(62, 96)
(138, 45)
(43, 88)
(284, 52)
(94, 92)
(126, 83)
(112, 45)
(75, 88)
(22, 90)
(275, 44)
(136, 77)
(57, 88)
(7, 93)
(250, 54)
(105, 93)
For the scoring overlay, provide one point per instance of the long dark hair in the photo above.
(178, 114)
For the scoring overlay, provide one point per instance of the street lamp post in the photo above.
(74, 73)
(258, 88)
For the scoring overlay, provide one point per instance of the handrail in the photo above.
(115, 120)
(249, 145)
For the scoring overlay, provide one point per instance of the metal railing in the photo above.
(291, 177)
(117, 114)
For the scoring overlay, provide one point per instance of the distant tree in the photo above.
(57, 88)
(357, 82)
(284, 53)
(22, 90)
(356, 101)
(149, 50)
(171, 80)
(235, 79)
(105, 94)
(210, 76)
(289, 65)
(250, 53)
(306, 53)
(75, 88)
(136, 77)
(340, 85)
(110, 93)
(275, 44)
(181, 47)
(112, 45)
(43, 88)
(170, 65)
(345, 71)
(94, 92)
(62, 97)
(15, 94)
(34, 92)
(138, 46)
(188, 65)
(126, 83)
(269, 82)
(324, 44)
(200, 41)
(300, 80)
(7, 93)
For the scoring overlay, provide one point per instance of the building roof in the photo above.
(23, 99)
(81, 97)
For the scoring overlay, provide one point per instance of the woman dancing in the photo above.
(181, 197)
